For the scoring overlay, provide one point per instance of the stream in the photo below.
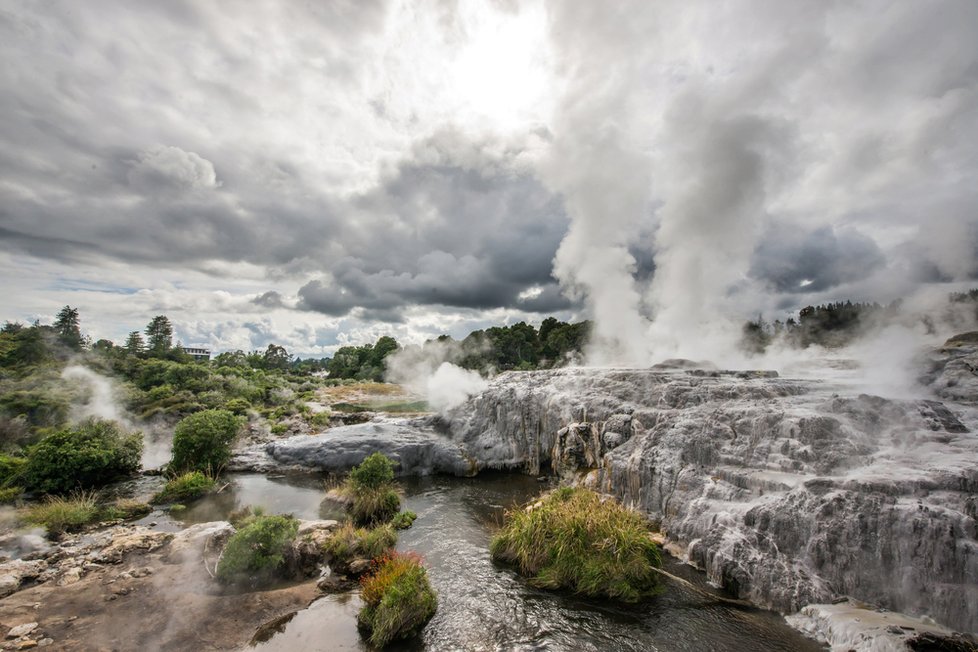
(484, 606)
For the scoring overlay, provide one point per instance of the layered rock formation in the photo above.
(786, 492)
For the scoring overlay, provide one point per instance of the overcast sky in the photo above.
(321, 173)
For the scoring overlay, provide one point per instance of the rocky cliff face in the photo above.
(786, 492)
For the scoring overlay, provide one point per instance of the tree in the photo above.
(276, 357)
(159, 334)
(134, 343)
(67, 327)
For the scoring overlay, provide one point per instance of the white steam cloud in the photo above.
(430, 371)
(101, 401)
(709, 125)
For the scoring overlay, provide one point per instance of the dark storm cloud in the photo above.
(792, 259)
(110, 152)
(453, 226)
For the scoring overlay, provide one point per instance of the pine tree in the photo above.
(134, 343)
(67, 327)
(159, 334)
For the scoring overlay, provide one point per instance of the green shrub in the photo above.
(398, 599)
(11, 468)
(280, 428)
(64, 514)
(319, 419)
(349, 543)
(91, 455)
(404, 520)
(238, 406)
(257, 550)
(576, 540)
(10, 494)
(202, 441)
(374, 472)
(185, 487)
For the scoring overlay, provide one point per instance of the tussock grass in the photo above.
(65, 513)
(404, 520)
(398, 599)
(185, 487)
(349, 543)
(573, 539)
(371, 490)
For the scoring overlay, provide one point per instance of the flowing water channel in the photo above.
(484, 606)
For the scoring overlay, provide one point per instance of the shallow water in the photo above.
(484, 606)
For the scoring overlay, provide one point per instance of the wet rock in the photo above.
(334, 583)
(358, 567)
(413, 444)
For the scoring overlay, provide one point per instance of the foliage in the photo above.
(350, 542)
(10, 494)
(91, 455)
(202, 441)
(258, 549)
(64, 513)
(188, 486)
(11, 468)
(362, 362)
(374, 472)
(404, 520)
(574, 539)
(398, 599)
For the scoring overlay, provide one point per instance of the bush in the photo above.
(91, 455)
(185, 487)
(10, 494)
(374, 472)
(398, 599)
(258, 549)
(11, 468)
(202, 441)
(573, 539)
(238, 406)
(64, 514)
(349, 543)
(404, 520)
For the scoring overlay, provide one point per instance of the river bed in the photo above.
(485, 606)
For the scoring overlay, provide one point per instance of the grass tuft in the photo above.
(185, 487)
(573, 539)
(349, 543)
(398, 599)
(404, 520)
(65, 513)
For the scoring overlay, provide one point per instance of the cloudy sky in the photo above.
(322, 173)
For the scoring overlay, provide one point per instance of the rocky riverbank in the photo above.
(131, 587)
